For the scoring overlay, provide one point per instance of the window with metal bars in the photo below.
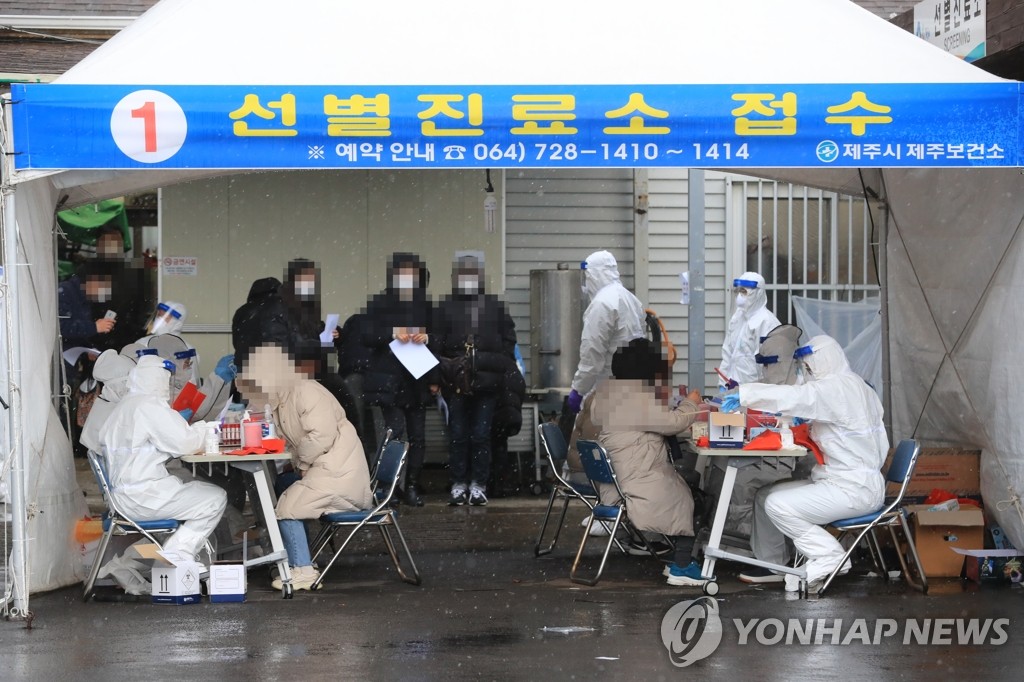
(804, 242)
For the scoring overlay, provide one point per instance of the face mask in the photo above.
(103, 295)
(742, 301)
(305, 289)
(468, 284)
(403, 281)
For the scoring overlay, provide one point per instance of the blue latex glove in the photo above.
(186, 413)
(575, 401)
(797, 421)
(226, 369)
(731, 403)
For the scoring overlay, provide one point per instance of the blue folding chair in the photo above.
(557, 450)
(382, 516)
(598, 468)
(891, 516)
(116, 522)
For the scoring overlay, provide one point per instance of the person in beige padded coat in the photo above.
(326, 452)
(632, 412)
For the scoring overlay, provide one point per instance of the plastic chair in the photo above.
(556, 449)
(890, 516)
(382, 516)
(598, 468)
(116, 522)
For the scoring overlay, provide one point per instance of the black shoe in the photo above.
(477, 496)
(755, 575)
(412, 496)
(636, 548)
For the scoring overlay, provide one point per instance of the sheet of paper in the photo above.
(684, 284)
(1003, 553)
(327, 335)
(414, 356)
(71, 355)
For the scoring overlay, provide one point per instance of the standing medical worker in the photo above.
(613, 318)
(141, 434)
(846, 423)
(749, 323)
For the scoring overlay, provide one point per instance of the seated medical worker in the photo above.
(139, 437)
(634, 420)
(326, 452)
(111, 369)
(846, 423)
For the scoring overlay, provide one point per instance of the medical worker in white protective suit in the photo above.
(613, 318)
(140, 436)
(165, 339)
(750, 322)
(110, 369)
(846, 423)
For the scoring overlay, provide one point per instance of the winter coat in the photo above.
(354, 356)
(508, 415)
(482, 319)
(261, 320)
(633, 424)
(325, 447)
(387, 382)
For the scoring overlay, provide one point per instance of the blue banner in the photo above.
(704, 126)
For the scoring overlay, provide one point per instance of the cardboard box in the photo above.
(951, 469)
(175, 581)
(227, 582)
(936, 533)
(725, 430)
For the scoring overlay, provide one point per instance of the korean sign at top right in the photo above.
(956, 26)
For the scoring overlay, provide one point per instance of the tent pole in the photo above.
(883, 283)
(16, 477)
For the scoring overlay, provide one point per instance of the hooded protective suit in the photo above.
(140, 435)
(613, 318)
(750, 321)
(847, 424)
(111, 369)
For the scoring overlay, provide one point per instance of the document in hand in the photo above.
(327, 335)
(414, 357)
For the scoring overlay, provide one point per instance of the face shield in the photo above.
(801, 355)
(165, 319)
(742, 289)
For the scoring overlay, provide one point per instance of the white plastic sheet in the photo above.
(856, 326)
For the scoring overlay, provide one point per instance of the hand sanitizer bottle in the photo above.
(786, 433)
(269, 429)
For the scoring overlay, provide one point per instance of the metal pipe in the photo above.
(19, 515)
(695, 320)
(42, 22)
(883, 284)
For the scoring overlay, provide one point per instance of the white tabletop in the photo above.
(202, 459)
(798, 451)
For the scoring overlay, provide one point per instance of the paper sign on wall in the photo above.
(684, 284)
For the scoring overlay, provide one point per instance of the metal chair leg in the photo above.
(538, 549)
(876, 554)
(923, 584)
(97, 563)
(323, 573)
(414, 579)
(842, 562)
(604, 558)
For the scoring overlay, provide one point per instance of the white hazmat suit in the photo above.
(111, 369)
(847, 425)
(749, 322)
(613, 318)
(140, 436)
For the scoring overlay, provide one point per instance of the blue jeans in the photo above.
(293, 532)
(469, 424)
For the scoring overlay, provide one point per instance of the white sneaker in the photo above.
(598, 530)
(303, 578)
(792, 583)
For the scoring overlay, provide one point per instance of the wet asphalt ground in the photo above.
(488, 609)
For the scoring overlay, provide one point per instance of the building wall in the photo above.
(245, 227)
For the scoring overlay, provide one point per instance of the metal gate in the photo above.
(804, 242)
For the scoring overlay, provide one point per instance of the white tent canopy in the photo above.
(953, 247)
